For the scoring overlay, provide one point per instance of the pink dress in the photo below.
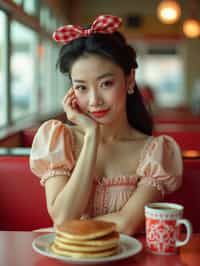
(160, 165)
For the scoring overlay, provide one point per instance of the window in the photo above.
(2, 69)
(30, 6)
(162, 69)
(23, 43)
(30, 86)
(19, 2)
(164, 73)
(45, 17)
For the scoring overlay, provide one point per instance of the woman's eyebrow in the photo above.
(98, 78)
(78, 81)
(108, 74)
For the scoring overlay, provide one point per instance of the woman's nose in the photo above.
(95, 99)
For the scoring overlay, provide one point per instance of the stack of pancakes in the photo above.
(86, 239)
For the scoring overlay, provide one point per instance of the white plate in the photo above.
(129, 246)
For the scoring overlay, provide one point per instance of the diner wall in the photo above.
(192, 65)
(152, 30)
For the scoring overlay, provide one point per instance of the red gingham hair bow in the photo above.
(102, 24)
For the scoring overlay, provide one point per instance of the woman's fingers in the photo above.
(74, 103)
(69, 97)
(68, 94)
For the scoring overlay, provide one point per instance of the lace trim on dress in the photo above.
(55, 172)
(122, 180)
(106, 198)
(125, 179)
(152, 182)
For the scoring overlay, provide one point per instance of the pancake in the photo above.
(85, 229)
(111, 238)
(76, 254)
(86, 239)
(76, 247)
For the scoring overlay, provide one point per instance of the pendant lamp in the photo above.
(191, 28)
(168, 11)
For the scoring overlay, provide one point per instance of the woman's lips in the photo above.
(100, 114)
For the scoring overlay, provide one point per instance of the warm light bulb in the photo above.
(191, 28)
(169, 11)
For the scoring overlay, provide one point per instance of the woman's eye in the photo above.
(80, 88)
(107, 83)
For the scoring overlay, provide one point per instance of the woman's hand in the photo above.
(75, 115)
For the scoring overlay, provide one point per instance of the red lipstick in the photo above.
(100, 114)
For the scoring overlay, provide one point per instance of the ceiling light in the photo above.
(191, 28)
(168, 11)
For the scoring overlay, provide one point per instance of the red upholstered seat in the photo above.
(188, 140)
(22, 198)
(189, 194)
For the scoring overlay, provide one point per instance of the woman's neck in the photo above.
(117, 130)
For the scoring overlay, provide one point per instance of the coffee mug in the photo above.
(162, 221)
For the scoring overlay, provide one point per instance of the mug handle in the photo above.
(188, 226)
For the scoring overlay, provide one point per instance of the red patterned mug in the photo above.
(162, 222)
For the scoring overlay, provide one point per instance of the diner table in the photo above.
(16, 250)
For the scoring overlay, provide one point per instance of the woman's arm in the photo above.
(130, 219)
(67, 199)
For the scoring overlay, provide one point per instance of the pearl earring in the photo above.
(130, 90)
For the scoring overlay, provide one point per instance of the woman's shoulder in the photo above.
(164, 141)
(52, 125)
(52, 150)
(161, 164)
(162, 146)
(53, 133)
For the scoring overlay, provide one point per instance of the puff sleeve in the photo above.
(161, 165)
(51, 153)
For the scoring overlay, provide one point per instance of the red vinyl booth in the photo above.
(189, 194)
(187, 140)
(27, 136)
(22, 198)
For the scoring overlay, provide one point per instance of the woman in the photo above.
(107, 165)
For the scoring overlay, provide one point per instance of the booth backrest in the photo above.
(176, 115)
(187, 140)
(23, 138)
(27, 136)
(22, 198)
(189, 194)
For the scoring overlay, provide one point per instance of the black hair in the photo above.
(113, 47)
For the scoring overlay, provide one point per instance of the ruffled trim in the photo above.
(123, 180)
(53, 173)
(149, 181)
(110, 195)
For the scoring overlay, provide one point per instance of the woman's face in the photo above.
(100, 87)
